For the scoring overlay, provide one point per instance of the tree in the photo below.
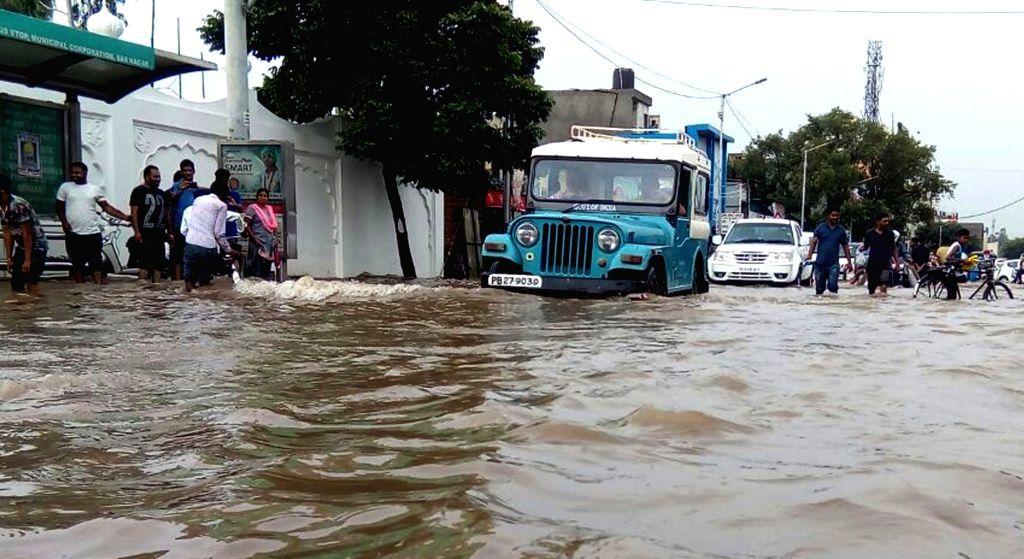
(33, 8)
(1012, 248)
(865, 169)
(81, 10)
(420, 86)
(929, 234)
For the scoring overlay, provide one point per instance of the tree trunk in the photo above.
(401, 231)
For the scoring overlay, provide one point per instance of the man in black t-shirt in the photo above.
(881, 243)
(919, 254)
(151, 222)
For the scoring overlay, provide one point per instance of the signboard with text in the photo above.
(68, 39)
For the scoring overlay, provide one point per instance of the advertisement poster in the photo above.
(255, 166)
(266, 164)
(28, 154)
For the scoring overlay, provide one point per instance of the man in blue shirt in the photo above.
(182, 193)
(828, 237)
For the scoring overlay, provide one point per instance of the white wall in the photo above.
(369, 225)
(344, 222)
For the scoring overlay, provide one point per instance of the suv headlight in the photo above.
(719, 256)
(780, 256)
(527, 234)
(608, 240)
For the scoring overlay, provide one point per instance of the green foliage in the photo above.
(864, 170)
(421, 85)
(33, 8)
(1012, 248)
(82, 9)
(929, 234)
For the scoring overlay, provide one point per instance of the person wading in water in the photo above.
(881, 241)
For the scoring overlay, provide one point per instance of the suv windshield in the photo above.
(598, 181)
(776, 233)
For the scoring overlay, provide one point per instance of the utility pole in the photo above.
(720, 167)
(236, 50)
(179, 52)
(803, 187)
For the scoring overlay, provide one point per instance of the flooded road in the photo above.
(347, 420)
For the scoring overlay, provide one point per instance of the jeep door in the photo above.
(679, 261)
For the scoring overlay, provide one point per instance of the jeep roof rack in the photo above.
(582, 133)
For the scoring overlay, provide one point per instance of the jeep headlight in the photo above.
(608, 240)
(780, 256)
(527, 234)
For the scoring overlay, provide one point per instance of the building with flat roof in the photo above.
(622, 106)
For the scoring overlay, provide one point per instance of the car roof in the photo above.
(772, 220)
(639, 150)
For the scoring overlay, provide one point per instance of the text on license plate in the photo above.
(514, 280)
(749, 269)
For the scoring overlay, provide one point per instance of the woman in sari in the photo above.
(261, 227)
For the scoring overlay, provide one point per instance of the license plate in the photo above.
(514, 280)
(749, 269)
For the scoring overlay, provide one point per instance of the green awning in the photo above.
(43, 54)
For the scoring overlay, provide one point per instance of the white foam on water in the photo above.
(59, 383)
(256, 416)
(311, 290)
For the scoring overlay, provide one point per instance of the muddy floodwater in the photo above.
(356, 420)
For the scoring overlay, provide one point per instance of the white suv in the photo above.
(760, 250)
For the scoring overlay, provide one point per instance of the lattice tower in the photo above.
(873, 86)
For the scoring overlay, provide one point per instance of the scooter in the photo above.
(902, 276)
(113, 232)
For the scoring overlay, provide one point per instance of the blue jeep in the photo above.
(609, 212)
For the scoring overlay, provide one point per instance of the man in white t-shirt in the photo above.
(958, 250)
(78, 206)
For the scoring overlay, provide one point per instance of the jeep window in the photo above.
(772, 233)
(597, 181)
(700, 196)
(685, 186)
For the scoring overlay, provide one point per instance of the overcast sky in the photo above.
(953, 80)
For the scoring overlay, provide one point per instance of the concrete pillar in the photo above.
(74, 128)
(236, 50)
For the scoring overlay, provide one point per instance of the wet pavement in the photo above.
(358, 420)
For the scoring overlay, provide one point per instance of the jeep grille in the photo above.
(566, 249)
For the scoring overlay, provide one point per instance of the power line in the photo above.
(742, 119)
(631, 60)
(838, 10)
(981, 170)
(567, 27)
(738, 119)
(1003, 207)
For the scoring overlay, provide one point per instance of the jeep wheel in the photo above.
(653, 282)
(700, 278)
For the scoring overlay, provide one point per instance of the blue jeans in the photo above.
(200, 263)
(823, 272)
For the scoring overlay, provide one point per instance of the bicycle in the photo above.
(939, 282)
(990, 287)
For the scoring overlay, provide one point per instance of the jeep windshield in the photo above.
(770, 233)
(603, 184)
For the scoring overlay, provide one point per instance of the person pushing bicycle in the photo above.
(958, 252)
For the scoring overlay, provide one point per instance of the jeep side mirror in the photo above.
(716, 240)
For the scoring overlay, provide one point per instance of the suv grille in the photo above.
(751, 257)
(566, 249)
